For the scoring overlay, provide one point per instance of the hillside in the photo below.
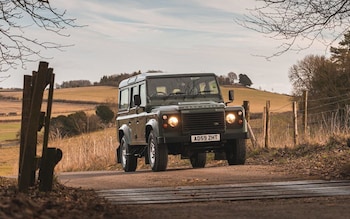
(258, 98)
(70, 100)
(101, 94)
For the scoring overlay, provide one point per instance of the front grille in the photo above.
(198, 123)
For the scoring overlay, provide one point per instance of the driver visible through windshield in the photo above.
(168, 87)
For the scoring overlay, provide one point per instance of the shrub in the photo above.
(105, 113)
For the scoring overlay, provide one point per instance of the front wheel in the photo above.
(198, 160)
(128, 160)
(157, 154)
(236, 152)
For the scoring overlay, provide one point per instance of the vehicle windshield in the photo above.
(183, 88)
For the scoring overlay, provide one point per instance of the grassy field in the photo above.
(9, 130)
(102, 94)
(9, 160)
(278, 102)
(99, 94)
(58, 108)
(96, 150)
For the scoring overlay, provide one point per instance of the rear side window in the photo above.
(143, 94)
(134, 91)
(124, 99)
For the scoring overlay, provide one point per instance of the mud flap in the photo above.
(220, 156)
(117, 155)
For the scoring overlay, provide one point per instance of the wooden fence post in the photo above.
(252, 136)
(264, 124)
(295, 122)
(246, 106)
(305, 125)
(50, 156)
(26, 99)
(267, 125)
(28, 160)
(346, 119)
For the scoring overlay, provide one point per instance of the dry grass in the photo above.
(9, 160)
(327, 160)
(257, 99)
(58, 108)
(96, 151)
(101, 94)
(94, 93)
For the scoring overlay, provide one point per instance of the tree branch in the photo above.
(15, 47)
(295, 20)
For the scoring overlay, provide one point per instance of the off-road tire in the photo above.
(157, 154)
(236, 152)
(128, 161)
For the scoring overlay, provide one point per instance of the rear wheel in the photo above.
(128, 160)
(198, 160)
(236, 152)
(157, 154)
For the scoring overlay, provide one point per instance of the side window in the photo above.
(134, 91)
(124, 99)
(143, 94)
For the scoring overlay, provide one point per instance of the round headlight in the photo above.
(173, 121)
(230, 118)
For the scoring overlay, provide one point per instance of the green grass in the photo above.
(9, 130)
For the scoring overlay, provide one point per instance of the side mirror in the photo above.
(231, 95)
(137, 100)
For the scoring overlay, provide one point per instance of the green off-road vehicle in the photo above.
(163, 114)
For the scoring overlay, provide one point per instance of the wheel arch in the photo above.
(123, 131)
(151, 125)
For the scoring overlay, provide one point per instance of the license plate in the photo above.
(205, 138)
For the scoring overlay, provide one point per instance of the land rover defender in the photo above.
(161, 114)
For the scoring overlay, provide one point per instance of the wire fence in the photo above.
(320, 125)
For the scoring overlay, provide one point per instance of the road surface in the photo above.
(249, 191)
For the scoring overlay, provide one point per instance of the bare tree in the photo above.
(293, 20)
(18, 48)
(325, 79)
(302, 74)
(232, 76)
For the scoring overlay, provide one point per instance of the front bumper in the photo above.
(186, 139)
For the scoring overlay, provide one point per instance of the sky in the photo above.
(124, 36)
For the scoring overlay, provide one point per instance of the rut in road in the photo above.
(228, 192)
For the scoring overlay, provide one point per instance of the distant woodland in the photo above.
(114, 80)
